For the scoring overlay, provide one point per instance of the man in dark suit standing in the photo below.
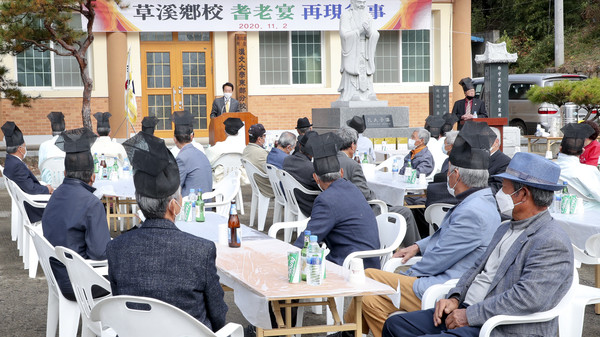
(158, 260)
(17, 171)
(226, 103)
(469, 107)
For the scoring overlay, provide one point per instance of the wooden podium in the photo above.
(498, 123)
(216, 128)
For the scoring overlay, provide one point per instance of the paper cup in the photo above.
(357, 271)
(223, 238)
(293, 260)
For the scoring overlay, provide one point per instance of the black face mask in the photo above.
(470, 97)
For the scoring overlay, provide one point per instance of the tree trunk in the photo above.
(86, 109)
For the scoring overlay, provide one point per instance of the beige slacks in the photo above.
(376, 309)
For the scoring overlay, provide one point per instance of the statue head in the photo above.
(359, 4)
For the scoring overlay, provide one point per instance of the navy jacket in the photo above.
(16, 170)
(160, 261)
(276, 157)
(342, 218)
(301, 168)
(75, 218)
(218, 107)
(194, 170)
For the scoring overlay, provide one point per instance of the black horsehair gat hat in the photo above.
(233, 125)
(76, 144)
(155, 171)
(574, 135)
(434, 125)
(324, 149)
(471, 148)
(149, 124)
(103, 119)
(184, 122)
(12, 134)
(357, 123)
(57, 121)
(466, 83)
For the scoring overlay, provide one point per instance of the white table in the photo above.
(122, 188)
(119, 198)
(391, 188)
(579, 227)
(257, 272)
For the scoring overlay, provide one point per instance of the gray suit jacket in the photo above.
(194, 170)
(354, 173)
(218, 106)
(534, 275)
(160, 261)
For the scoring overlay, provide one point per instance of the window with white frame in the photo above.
(46, 69)
(403, 56)
(290, 57)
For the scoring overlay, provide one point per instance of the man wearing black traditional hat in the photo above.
(435, 126)
(462, 238)
(582, 179)
(149, 124)
(299, 166)
(353, 172)
(498, 162)
(285, 145)
(340, 212)
(303, 125)
(74, 217)
(469, 107)
(194, 168)
(234, 143)
(47, 148)
(104, 145)
(363, 144)
(158, 260)
(256, 154)
(17, 171)
(526, 268)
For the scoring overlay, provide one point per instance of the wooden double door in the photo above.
(177, 75)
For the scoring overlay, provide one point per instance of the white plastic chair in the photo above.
(225, 191)
(299, 226)
(434, 215)
(133, 316)
(277, 186)
(56, 170)
(83, 277)
(62, 313)
(292, 209)
(391, 235)
(15, 218)
(231, 162)
(259, 201)
(30, 258)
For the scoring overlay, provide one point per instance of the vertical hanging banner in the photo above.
(252, 15)
(241, 74)
(130, 103)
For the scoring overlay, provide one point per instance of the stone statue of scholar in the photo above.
(359, 39)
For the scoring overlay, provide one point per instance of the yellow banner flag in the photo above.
(130, 103)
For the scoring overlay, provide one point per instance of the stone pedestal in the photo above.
(331, 119)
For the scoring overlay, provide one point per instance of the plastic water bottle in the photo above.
(303, 255)
(395, 166)
(313, 261)
(126, 168)
(192, 197)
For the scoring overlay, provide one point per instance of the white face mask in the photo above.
(180, 209)
(227, 95)
(451, 189)
(505, 202)
(411, 144)
(444, 149)
(25, 154)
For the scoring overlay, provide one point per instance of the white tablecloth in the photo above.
(122, 188)
(579, 227)
(390, 187)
